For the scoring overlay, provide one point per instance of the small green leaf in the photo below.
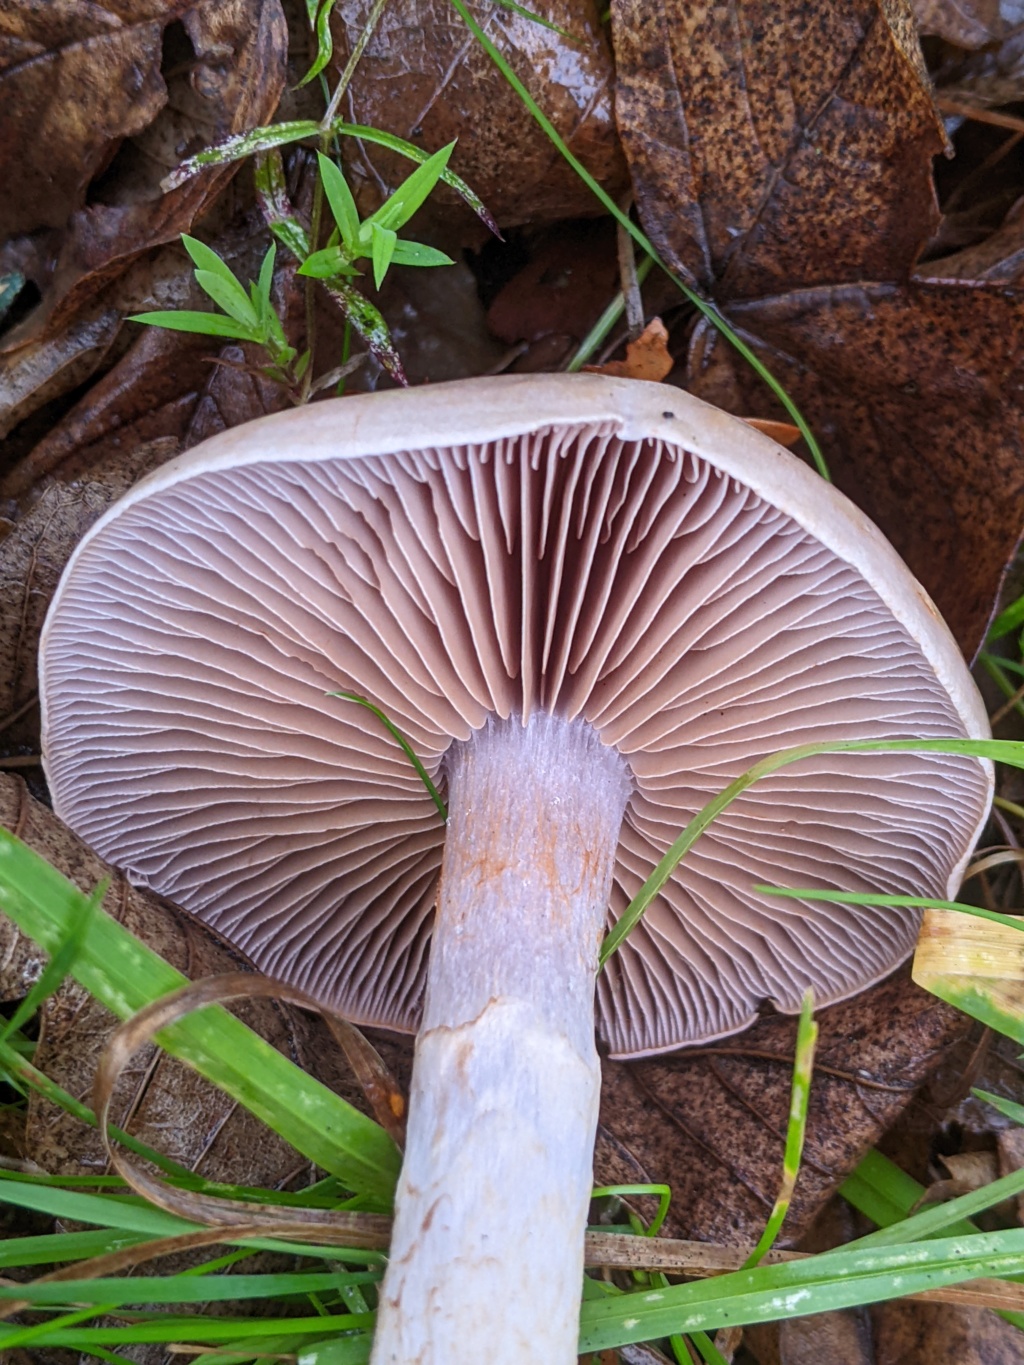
(324, 40)
(343, 206)
(231, 297)
(205, 258)
(331, 261)
(382, 250)
(206, 324)
(266, 279)
(415, 253)
(396, 211)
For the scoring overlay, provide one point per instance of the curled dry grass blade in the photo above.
(144, 1027)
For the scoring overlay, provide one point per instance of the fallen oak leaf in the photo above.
(747, 183)
(711, 1121)
(646, 358)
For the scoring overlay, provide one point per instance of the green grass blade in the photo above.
(892, 1195)
(1008, 1108)
(182, 1288)
(55, 970)
(820, 893)
(61, 1247)
(125, 975)
(172, 1327)
(796, 1129)
(1010, 618)
(838, 1279)
(406, 747)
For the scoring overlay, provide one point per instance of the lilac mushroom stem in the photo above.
(486, 1257)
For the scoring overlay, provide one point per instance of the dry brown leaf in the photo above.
(795, 195)
(990, 77)
(999, 258)
(711, 1121)
(39, 371)
(646, 358)
(101, 102)
(74, 80)
(425, 77)
(141, 396)
(32, 558)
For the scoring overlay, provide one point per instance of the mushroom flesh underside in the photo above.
(626, 584)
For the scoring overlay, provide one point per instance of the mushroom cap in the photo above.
(608, 550)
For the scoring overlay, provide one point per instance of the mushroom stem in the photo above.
(486, 1255)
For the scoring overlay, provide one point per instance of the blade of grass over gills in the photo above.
(125, 975)
(1006, 751)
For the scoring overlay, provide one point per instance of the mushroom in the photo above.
(588, 604)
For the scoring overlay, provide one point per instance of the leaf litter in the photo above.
(781, 159)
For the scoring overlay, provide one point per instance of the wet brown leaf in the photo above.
(101, 101)
(564, 287)
(711, 1121)
(425, 77)
(742, 121)
(803, 204)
